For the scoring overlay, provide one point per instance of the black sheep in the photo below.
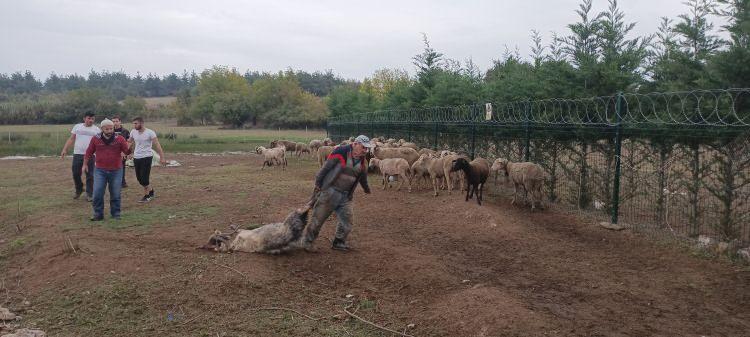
(476, 173)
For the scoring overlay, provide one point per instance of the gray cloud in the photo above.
(353, 38)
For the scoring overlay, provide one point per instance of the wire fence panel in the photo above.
(666, 163)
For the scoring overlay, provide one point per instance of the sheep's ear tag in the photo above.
(488, 111)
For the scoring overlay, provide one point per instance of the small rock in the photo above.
(26, 333)
(112, 271)
(73, 274)
(26, 303)
(349, 296)
(6, 315)
(465, 281)
(411, 325)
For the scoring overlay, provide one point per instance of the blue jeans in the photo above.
(102, 178)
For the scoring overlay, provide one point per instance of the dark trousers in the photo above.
(142, 168)
(330, 201)
(77, 171)
(123, 172)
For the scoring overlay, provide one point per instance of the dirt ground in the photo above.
(421, 265)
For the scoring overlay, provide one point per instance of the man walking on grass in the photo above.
(143, 140)
(109, 149)
(81, 135)
(121, 131)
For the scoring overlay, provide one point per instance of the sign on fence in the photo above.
(488, 113)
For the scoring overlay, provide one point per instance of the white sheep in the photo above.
(275, 156)
(452, 176)
(434, 167)
(393, 167)
(528, 176)
(410, 144)
(315, 144)
(302, 148)
(409, 154)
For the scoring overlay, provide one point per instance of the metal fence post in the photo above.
(473, 133)
(527, 131)
(435, 138)
(618, 152)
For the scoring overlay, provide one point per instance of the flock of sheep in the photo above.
(405, 162)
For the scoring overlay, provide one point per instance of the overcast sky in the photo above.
(353, 38)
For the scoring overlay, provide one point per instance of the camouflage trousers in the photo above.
(327, 202)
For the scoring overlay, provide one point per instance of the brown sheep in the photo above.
(476, 173)
(288, 144)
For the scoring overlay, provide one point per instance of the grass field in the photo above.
(35, 140)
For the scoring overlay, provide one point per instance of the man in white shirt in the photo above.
(144, 140)
(81, 136)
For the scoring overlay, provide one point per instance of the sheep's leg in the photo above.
(515, 193)
(468, 195)
(435, 185)
(480, 196)
(385, 180)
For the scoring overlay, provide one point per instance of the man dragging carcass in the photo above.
(334, 186)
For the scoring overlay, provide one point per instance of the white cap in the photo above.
(364, 140)
(106, 122)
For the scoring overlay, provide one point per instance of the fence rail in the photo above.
(675, 163)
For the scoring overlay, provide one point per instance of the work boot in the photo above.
(77, 195)
(339, 244)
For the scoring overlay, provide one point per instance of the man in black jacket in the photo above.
(334, 186)
(121, 131)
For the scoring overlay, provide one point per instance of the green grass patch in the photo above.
(34, 140)
(145, 217)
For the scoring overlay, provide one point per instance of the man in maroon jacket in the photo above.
(109, 149)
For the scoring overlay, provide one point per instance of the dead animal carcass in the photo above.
(273, 238)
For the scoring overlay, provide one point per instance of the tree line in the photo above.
(595, 56)
(24, 99)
